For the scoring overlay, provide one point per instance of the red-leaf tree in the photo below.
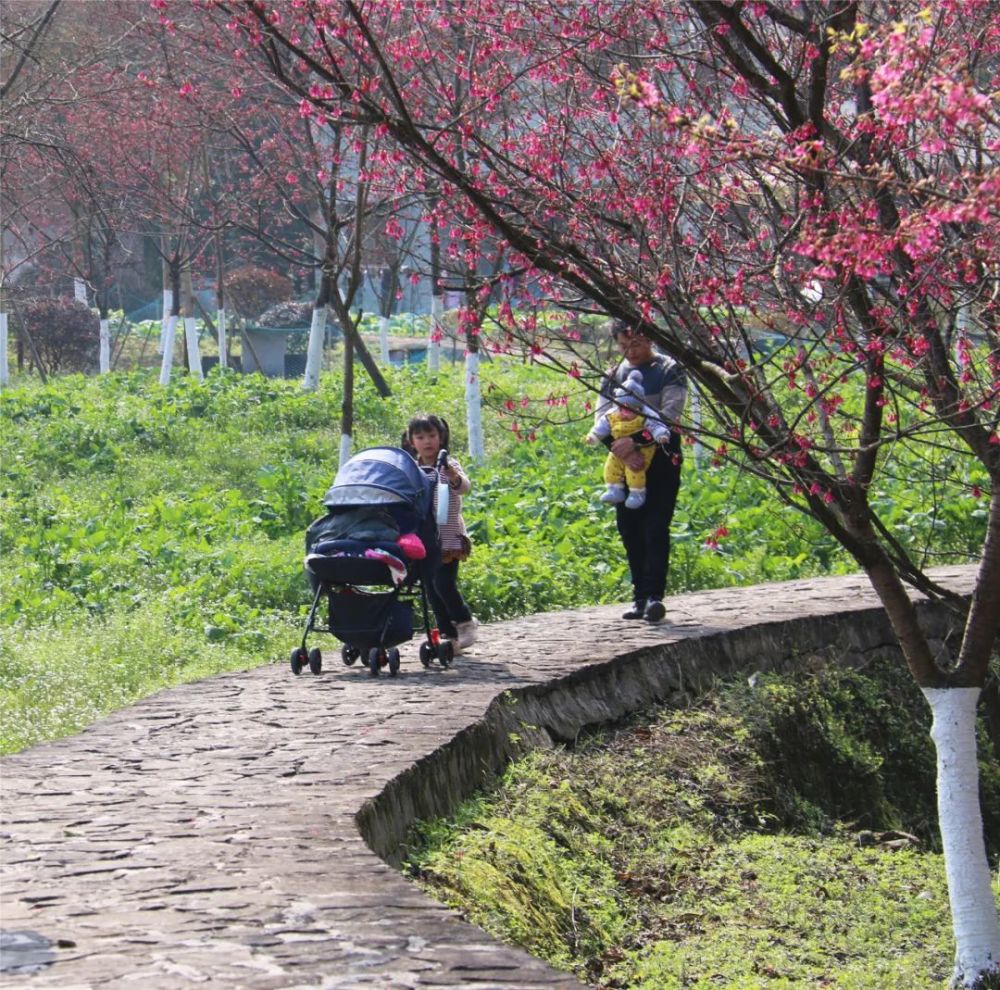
(41, 228)
(799, 201)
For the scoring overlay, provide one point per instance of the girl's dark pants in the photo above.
(446, 600)
(645, 532)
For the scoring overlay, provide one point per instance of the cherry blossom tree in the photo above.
(315, 172)
(101, 162)
(798, 201)
(27, 80)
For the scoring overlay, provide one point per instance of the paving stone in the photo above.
(229, 832)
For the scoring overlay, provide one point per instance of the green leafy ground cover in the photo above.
(153, 535)
(702, 849)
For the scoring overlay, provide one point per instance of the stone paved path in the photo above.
(207, 837)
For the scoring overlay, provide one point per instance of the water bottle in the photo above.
(443, 489)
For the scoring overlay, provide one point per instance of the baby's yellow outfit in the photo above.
(615, 470)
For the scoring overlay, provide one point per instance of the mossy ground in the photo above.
(778, 835)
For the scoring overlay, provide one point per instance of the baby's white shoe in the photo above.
(613, 495)
(636, 498)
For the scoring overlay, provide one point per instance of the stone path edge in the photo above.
(600, 694)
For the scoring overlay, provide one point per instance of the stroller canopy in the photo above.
(381, 476)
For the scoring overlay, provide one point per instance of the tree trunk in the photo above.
(220, 315)
(387, 300)
(168, 309)
(383, 339)
(167, 343)
(347, 404)
(474, 406)
(437, 299)
(105, 348)
(220, 305)
(4, 367)
(190, 327)
(317, 330)
(473, 390)
(170, 327)
(191, 341)
(434, 337)
(314, 350)
(973, 909)
(168, 291)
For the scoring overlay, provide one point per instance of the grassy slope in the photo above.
(704, 849)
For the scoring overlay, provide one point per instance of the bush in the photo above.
(65, 333)
(251, 290)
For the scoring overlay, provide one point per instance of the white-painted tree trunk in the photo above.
(220, 322)
(383, 339)
(194, 355)
(4, 365)
(80, 290)
(434, 338)
(474, 407)
(961, 325)
(973, 908)
(314, 352)
(168, 306)
(167, 343)
(345, 449)
(105, 349)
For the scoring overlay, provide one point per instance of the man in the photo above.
(645, 531)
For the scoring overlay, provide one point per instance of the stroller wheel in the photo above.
(394, 661)
(315, 660)
(446, 653)
(349, 654)
(298, 659)
(426, 654)
(374, 660)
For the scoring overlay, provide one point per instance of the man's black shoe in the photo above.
(637, 611)
(654, 611)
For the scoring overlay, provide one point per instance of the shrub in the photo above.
(65, 333)
(250, 290)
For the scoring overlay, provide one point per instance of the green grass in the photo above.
(794, 912)
(127, 507)
(58, 680)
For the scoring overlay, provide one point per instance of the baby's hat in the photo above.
(631, 393)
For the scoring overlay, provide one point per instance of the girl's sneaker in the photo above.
(467, 634)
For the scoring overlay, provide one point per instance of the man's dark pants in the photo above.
(645, 532)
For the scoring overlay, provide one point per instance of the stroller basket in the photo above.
(348, 570)
(367, 621)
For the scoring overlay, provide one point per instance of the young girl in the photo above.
(425, 437)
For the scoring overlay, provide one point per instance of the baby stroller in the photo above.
(364, 556)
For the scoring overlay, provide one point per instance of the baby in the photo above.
(630, 417)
